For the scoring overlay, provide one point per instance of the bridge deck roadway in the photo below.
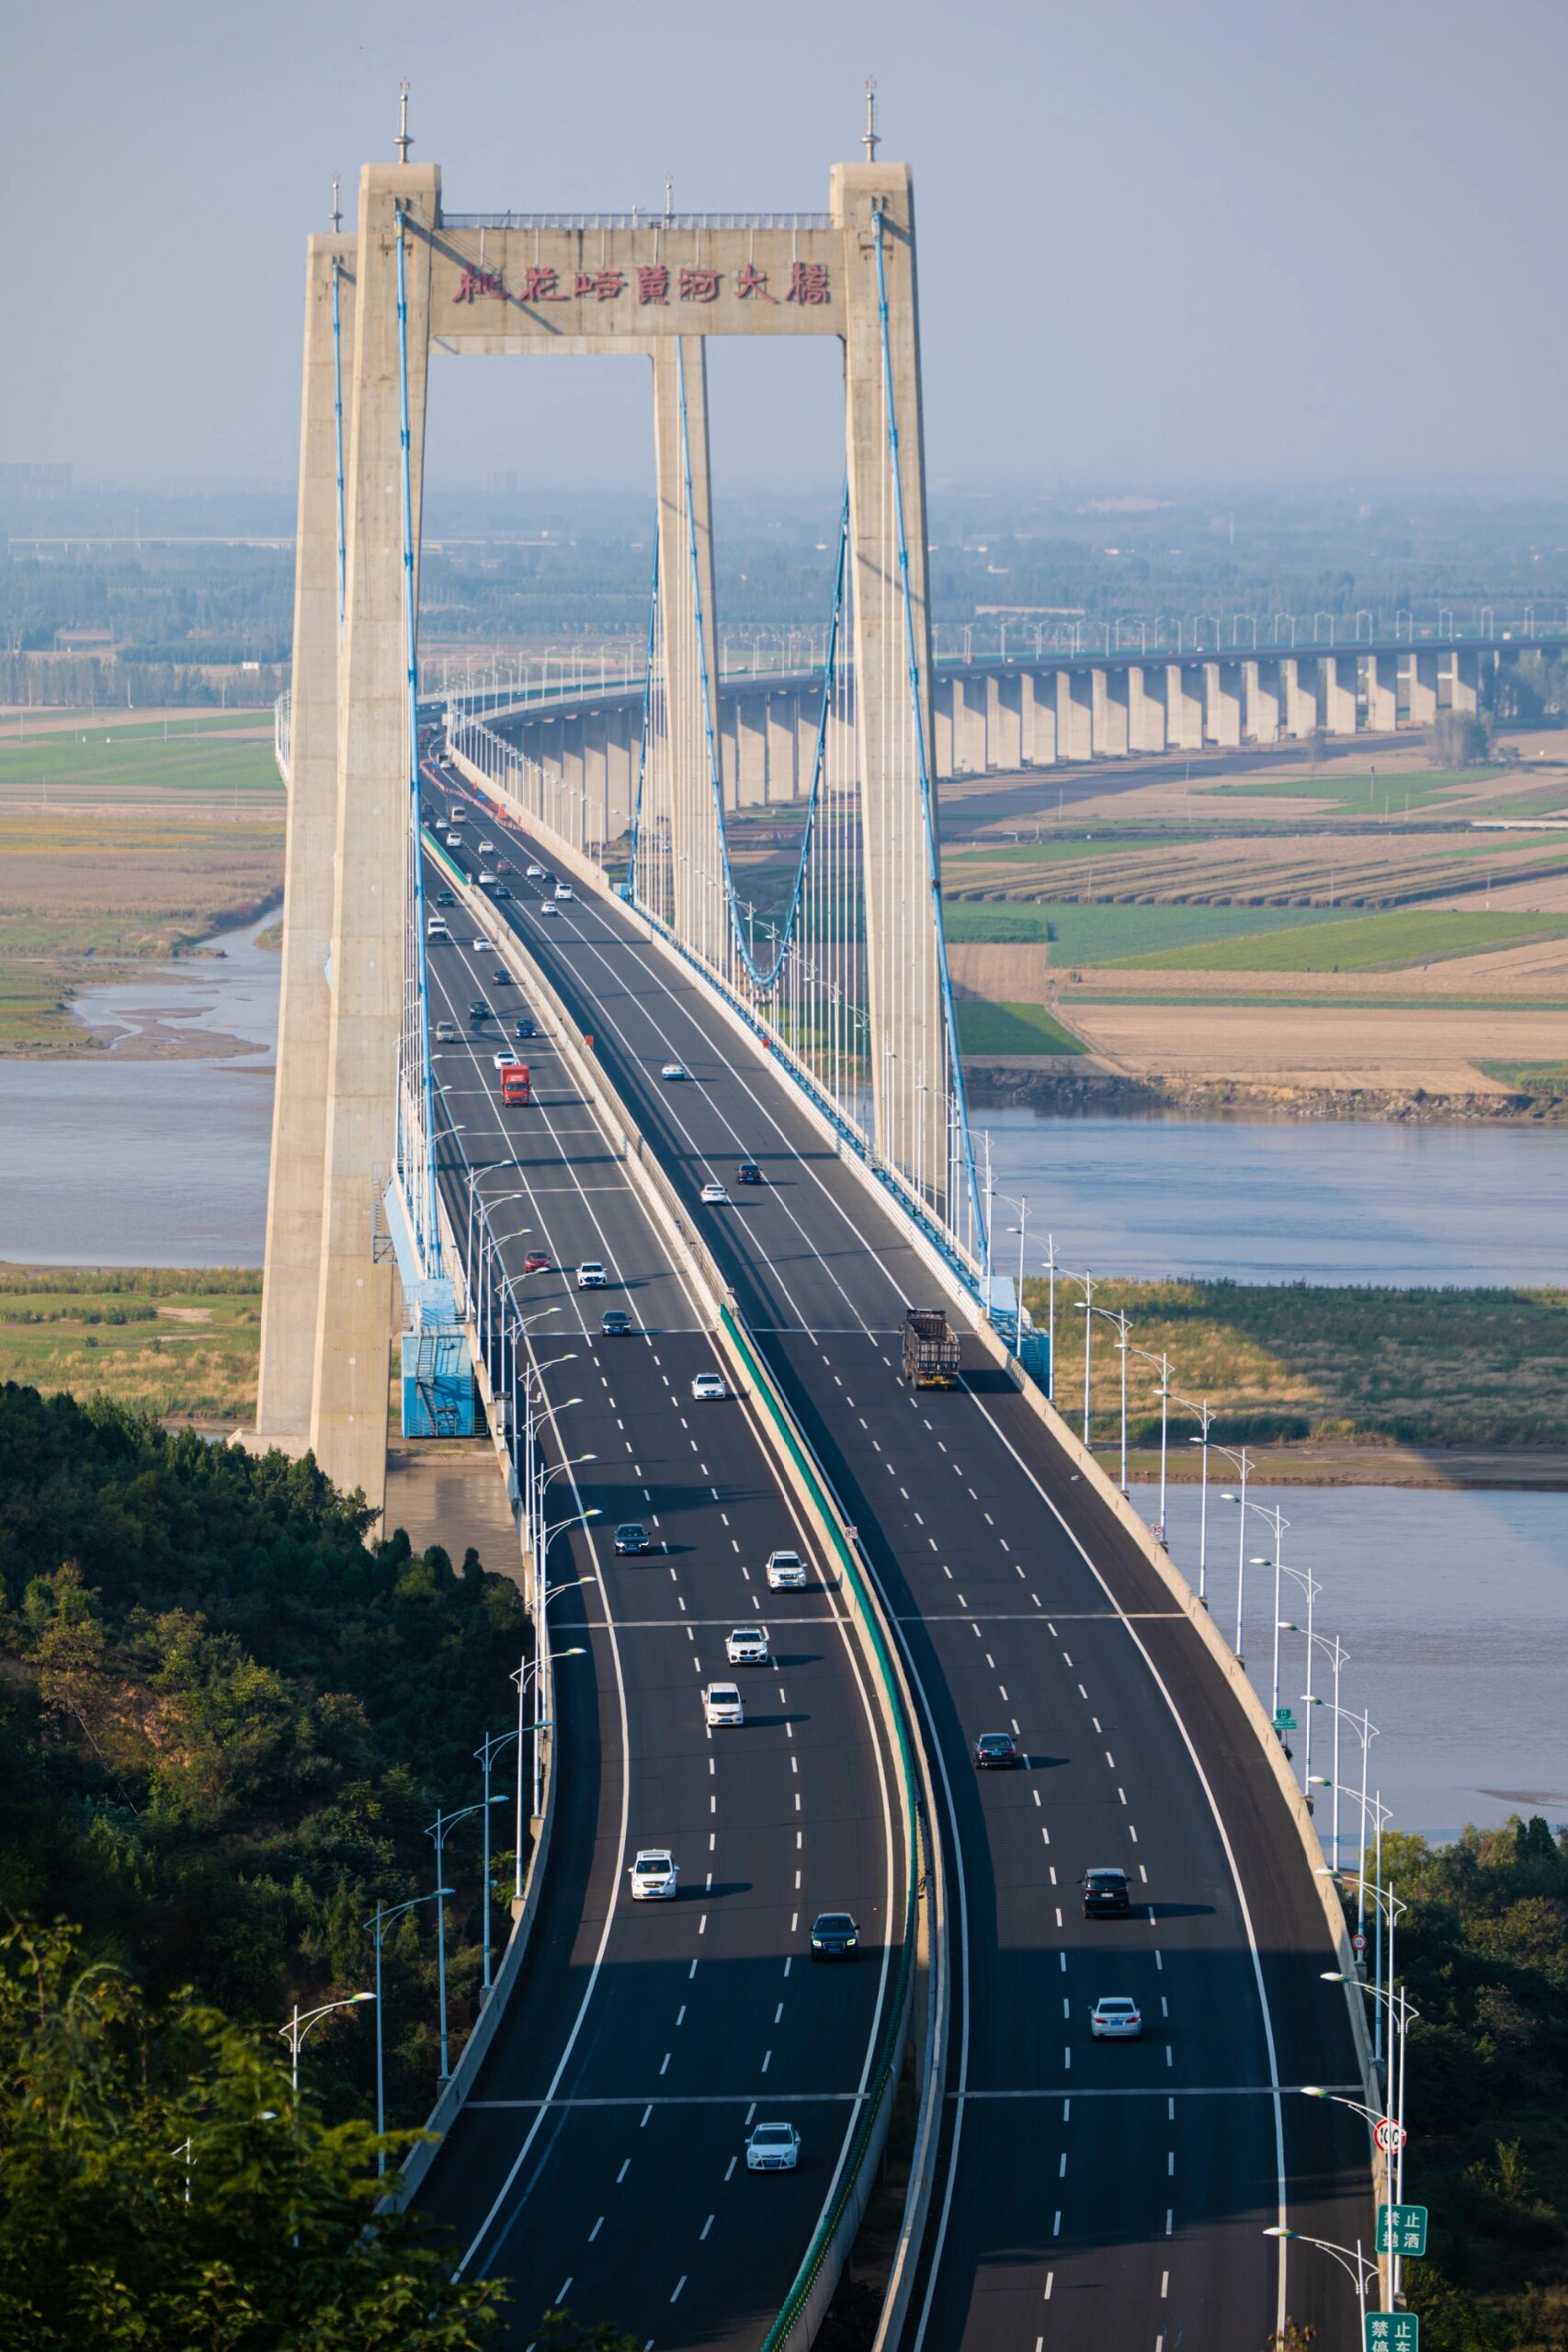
(1095, 2194)
(596, 2164)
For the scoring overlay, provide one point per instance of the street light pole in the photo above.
(377, 1928)
(439, 1830)
(1050, 1318)
(1208, 1417)
(493, 1745)
(1357, 2267)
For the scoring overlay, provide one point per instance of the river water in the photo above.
(123, 1161)
(1282, 1200)
(1453, 1607)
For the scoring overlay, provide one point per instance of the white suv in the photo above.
(748, 1646)
(786, 1573)
(655, 1875)
(721, 1704)
(591, 1275)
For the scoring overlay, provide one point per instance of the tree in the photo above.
(158, 2189)
(1461, 739)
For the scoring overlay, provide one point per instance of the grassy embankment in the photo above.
(1477, 1369)
(177, 1344)
(1012, 1029)
(118, 846)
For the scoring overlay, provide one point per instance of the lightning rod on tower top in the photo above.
(404, 139)
(869, 138)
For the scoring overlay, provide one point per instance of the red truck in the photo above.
(514, 1083)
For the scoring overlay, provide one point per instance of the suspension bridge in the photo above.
(971, 1564)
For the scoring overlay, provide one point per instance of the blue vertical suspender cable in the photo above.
(911, 650)
(427, 1225)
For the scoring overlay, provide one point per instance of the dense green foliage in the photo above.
(226, 1722)
(1482, 1951)
(158, 2188)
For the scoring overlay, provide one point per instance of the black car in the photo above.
(834, 1935)
(614, 1322)
(525, 1028)
(996, 1752)
(445, 898)
(748, 1173)
(631, 1538)
(500, 979)
(1106, 1895)
(500, 891)
(478, 1011)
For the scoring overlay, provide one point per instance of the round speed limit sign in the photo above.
(1358, 1943)
(1389, 2136)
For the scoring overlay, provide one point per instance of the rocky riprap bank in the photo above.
(1060, 1090)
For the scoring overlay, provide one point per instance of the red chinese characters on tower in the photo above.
(700, 285)
(480, 282)
(808, 283)
(751, 285)
(654, 283)
(542, 286)
(603, 285)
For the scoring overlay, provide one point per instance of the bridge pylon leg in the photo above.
(908, 1040)
(700, 919)
(293, 1279)
(354, 1316)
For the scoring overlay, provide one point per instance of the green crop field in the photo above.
(1385, 795)
(1105, 934)
(1529, 1077)
(210, 754)
(164, 1340)
(1365, 943)
(1013, 1028)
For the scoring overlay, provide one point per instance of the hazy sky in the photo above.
(1160, 239)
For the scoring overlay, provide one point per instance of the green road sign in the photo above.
(1387, 2329)
(1283, 1720)
(1402, 2229)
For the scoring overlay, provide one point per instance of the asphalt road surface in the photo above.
(1093, 2193)
(599, 2163)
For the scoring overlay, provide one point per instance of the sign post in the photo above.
(1402, 2229)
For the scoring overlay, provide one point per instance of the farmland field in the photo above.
(1091, 934)
(1013, 1028)
(1364, 943)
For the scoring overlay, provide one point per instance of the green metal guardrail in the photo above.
(888, 2058)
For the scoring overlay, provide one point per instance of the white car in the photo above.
(786, 1573)
(708, 1388)
(773, 2147)
(721, 1704)
(715, 1197)
(565, 890)
(454, 841)
(655, 1875)
(487, 849)
(591, 1275)
(536, 873)
(747, 1646)
(486, 878)
(672, 1070)
(481, 947)
(1115, 2017)
(546, 908)
(447, 1033)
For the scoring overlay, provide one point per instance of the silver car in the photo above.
(786, 1573)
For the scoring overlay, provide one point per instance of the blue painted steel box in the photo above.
(438, 1398)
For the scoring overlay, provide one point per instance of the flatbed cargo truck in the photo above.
(930, 1358)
